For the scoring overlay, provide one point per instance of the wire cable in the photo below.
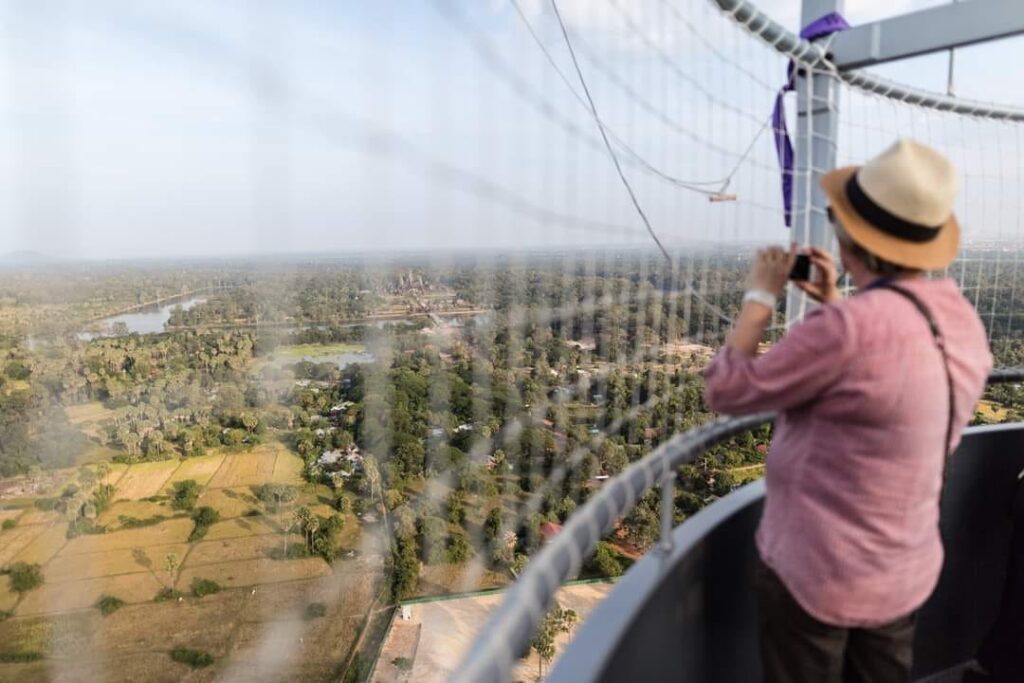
(618, 167)
(604, 135)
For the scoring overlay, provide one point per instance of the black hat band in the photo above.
(884, 220)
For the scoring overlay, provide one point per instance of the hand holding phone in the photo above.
(824, 287)
(801, 268)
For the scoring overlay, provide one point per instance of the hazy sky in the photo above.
(178, 128)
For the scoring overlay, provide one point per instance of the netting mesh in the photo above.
(987, 153)
(457, 325)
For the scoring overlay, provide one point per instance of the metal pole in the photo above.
(949, 76)
(668, 506)
(817, 128)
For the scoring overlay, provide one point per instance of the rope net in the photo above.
(495, 244)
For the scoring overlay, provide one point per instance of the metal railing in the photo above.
(509, 630)
(815, 56)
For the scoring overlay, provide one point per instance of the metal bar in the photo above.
(950, 73)
(817, 126)
(801, 51)
(512, 625)
(930, 30)
(668, 505)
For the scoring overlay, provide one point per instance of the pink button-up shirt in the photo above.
(854, 473)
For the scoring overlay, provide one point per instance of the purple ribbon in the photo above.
(823, 26)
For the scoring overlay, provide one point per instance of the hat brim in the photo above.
(933, 255)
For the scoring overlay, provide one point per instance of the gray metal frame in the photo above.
(814, 55)
(949, 26)
(817, 129)
(618, 612)
(509, 630)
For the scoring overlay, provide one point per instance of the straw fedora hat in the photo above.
(899, 205)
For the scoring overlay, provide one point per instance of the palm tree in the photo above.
(250, 422)
(170, 565)
(303, 519)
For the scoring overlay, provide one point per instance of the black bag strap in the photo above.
(940, 342)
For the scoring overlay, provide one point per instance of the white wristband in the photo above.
(760, 296)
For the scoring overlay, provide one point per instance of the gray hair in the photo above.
(876, 264)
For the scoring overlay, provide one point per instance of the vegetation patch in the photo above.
(204, 517)
(25, 577)
(108, 604)
(9, 524)
(83, 525)
(184, 494)
(197, 659)
(166, 594)
(19, 657)
(315, 610)
(136, 523)
(605, 563)
(203, 587)
(275, 495)
(291, 551)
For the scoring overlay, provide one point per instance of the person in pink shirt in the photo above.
(872, 394)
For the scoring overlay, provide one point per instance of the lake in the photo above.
(147, 321)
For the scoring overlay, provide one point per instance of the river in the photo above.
(148, 321)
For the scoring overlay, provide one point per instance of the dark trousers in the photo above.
(1002, 653)
(797, 648)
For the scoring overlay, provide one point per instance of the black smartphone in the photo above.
(801, 268)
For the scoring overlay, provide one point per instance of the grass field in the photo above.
(240, 548)
(36, 516)
(747, 473)
(247, 469)
(253, 572)
(297, 351)
(251, 637)
(254, 626)
(351, 534)
(442, 579)
(73, 595)
(117, 470)
(234, 502)
(10, 514)
(200, 469)
(240, 527)
(44, 546)
(88, 412)
(165, 533)
(111, 563)
(13, 541)
(145, 479)
(96, 454)
(8, 598)
(288, 468)
(140, 509)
